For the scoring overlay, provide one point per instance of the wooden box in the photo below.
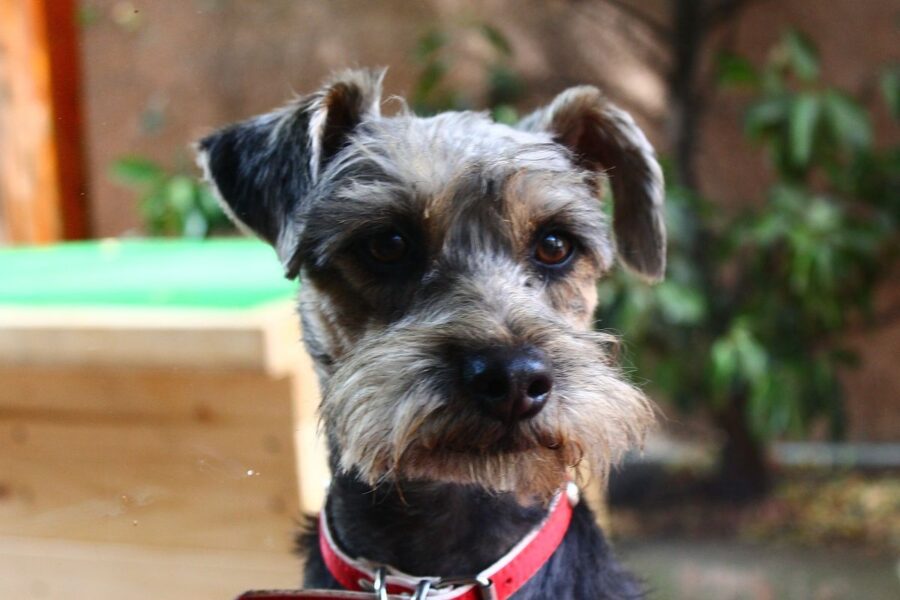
(148, 422)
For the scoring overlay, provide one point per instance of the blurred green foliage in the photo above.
(174, 204)
(756, 306)
(435, 55)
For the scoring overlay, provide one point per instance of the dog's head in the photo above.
(448, 269)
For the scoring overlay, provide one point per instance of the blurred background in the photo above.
(157, 428)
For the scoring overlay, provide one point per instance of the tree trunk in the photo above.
(744, 472)
(687, 41)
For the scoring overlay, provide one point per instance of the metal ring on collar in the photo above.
(379, 586)
(422, 590)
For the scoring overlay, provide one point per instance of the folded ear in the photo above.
(263, 168)
(604, 137)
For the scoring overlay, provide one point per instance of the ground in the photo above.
(821, 534)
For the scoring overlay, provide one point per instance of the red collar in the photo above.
(497, 582)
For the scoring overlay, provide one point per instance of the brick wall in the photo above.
(160, 73)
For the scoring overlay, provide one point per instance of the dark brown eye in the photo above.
(388, 247)
(553, 249)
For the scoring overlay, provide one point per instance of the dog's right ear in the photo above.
(263, 168)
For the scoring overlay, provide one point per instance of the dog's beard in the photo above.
(395, 413)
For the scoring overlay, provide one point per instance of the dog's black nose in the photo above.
(508, 384)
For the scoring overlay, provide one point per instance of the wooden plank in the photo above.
(128, 396)
(264, 339)
(61, 22)
(227, 346)
(41, 174)
(41, 569)
(179, 485)
(313, 475)
(75, 441)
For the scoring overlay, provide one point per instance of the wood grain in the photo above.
(199, 477)
(41, 569)
(41, 162)
(264, 339)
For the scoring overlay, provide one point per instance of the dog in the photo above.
(448, 269)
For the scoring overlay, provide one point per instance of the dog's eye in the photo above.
(553, 249)
(387, 248)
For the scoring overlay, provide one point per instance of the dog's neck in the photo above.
(427, 528)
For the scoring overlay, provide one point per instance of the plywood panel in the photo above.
(38, 569)
(140, 432)
(144, 396)
(206, 483)
(264, 339)
(309, 443)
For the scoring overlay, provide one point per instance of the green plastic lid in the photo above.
(230, 273)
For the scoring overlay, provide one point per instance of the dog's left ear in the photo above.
(604, 137)
(262, 169)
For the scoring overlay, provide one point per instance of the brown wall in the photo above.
(855, 39)
(160, 73)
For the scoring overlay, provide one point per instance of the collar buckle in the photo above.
(379, 584)
(497, 582)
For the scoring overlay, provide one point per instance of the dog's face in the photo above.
(448, 269)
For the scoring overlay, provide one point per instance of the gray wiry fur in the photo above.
(317, 178)
(394, 411)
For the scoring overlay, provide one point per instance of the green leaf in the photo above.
(766, 115)
(428, 96)
(890, 89)
(680, 304)
(504, 85)
(752, 355)
(429, 44)
(823, 217)
(804, 116)
(802, 55)
(848, 120)
(153, 208)
(759, 406)
(135, 170)
(506, 114)
(431, 77)
(195, 225)
(497, 40)
(208, 202)
(180, 193)
(735, 70)
(724, 363)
